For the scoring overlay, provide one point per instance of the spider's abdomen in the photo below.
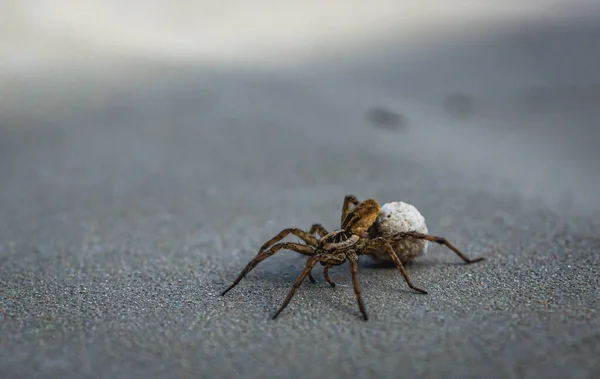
(338, 240)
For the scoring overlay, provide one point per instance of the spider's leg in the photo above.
(321, 232)
(302, 249)
(354, 270)
(319, 229)
(304, 236)
(312, 261)
(307, 237)
(440, 240)
(382, 242)
(349, 200)
(326, 272)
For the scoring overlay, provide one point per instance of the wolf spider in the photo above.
(347, 243)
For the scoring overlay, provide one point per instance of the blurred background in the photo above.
(208, 106)
(502, 89)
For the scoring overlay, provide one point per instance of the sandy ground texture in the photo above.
(133, 191)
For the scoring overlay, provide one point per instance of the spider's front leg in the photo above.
(379, 242)
(439, 240)
(299, 248)
(319, 229)
(312, 261)
(307, 237)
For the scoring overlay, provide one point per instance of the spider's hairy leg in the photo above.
(312, 261)
(321, 232)
(349, 200)
(304, 236)
(327, 277)
(319, 229)
(382, 242)
(307, 237)
(299, 248)
(353, 259)
(439, 240)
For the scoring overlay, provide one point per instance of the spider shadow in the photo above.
(275, 280)
(370, 263)
(371, 266)
(279, 283)
(320, 291)
(343, 279)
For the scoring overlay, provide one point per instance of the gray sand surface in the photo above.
(131, 194)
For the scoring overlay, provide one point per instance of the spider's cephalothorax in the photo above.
(339, 246)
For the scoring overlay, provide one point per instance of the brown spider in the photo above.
(347, 243)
